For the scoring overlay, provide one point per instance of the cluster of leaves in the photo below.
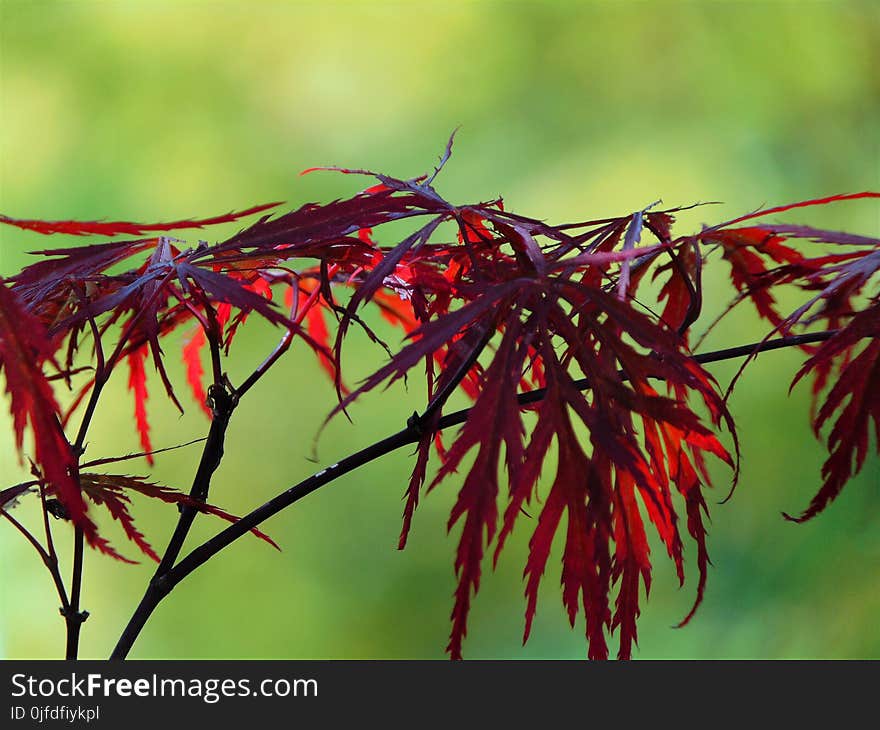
(541, 325)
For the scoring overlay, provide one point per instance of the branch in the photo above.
(161, 587)
(222, 405)
(223, 401)
(297, 315)
(48, 559)
(72, 615)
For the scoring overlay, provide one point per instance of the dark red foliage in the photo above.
(25, 350)
(613, 444)
(855, 354)
(192, 358)
(751, 252)
(835, 282)
(110, 491)
(856, 394)
(116, 228)
(541, 298)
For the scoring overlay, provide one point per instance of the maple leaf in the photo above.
(496, 411)
(110, 491)
(531, 310)
(192, 350)
(24, 350)
(47, 286)
(748, 250)
(491, 303)
(115, 228)
(137, 384)
(801, 204)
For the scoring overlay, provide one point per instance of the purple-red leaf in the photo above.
(24, 350)
(137, 384)
(116, 228)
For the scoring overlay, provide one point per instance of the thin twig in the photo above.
(223, 403)
(297, 315)
(51, 565)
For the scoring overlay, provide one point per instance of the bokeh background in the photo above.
(164, 110)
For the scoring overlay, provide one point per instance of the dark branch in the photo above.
(72, 614)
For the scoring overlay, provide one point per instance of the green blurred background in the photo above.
(159, 111)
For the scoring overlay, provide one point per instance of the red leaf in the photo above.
(626, 455)
(109, 496)
(747, 250)
(316, 326)
(802, 204)
(496, 412)
(109, 490)
(137, 383)
(24, 350)
(192, 358)
(631, 561)
(115, 228)
(474, 226)
(856, 396)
